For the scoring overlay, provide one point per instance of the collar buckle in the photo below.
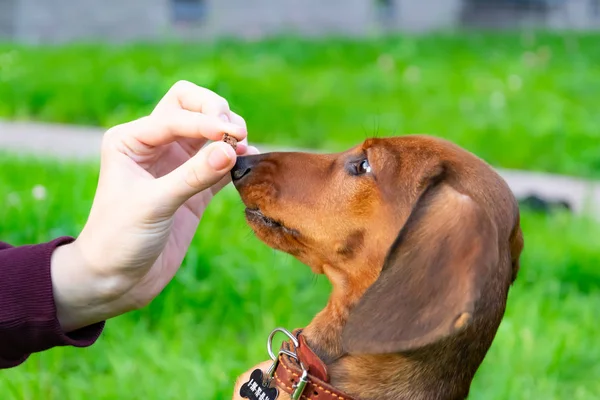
(299, 387)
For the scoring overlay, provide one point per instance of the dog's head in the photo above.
(419, 238)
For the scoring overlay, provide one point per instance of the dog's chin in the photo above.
(273, 232)
(256, 217)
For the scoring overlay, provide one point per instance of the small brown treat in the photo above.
(230, 140)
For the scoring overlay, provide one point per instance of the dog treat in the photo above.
(230, 140)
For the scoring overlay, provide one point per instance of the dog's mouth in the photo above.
(255, 215)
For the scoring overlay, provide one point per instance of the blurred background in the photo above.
(517, 82)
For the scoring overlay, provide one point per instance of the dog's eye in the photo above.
(363, 167)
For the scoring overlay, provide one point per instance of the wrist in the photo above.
(82, 296)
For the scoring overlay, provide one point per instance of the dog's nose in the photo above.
(243, 166)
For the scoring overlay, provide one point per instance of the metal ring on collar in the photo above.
(289, 335)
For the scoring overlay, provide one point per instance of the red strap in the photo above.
(315, 366)
(288, 374)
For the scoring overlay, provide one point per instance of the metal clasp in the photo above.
(299, 387)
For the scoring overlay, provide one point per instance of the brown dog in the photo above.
(421, 241)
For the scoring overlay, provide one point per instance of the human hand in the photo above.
(156, 179)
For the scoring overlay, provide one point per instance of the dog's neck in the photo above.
(393, 376)
(425, 374)
(442, 371)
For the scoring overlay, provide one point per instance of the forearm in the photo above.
(28, 311)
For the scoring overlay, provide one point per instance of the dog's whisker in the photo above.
(315, 280)
(377, 128)
(366, 131)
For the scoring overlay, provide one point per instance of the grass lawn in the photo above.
(519, 101)
(211, 322)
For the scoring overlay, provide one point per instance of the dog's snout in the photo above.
(244, 165)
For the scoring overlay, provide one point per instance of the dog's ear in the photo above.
(432, 277)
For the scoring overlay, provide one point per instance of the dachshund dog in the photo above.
(421, 242)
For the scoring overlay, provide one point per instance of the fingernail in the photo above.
(219, 158)
(224, 117)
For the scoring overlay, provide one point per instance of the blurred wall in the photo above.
(8, 17)
(38, 21)
(306, 17)
(552, 14)
(68, 20)
(425, 15)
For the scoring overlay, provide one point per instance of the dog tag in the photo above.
(254, 389)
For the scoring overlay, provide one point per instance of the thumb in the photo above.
(198, 173)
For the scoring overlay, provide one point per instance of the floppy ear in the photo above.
(432, 277)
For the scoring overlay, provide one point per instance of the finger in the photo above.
(156, 130)
(242, 146)
(216, 188)
(252, 151)
(210, 165)
(191, 97)
(191, 146)
(238, 120)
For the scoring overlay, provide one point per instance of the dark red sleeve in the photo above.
(28, 322)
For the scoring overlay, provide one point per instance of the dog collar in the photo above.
(296, 370)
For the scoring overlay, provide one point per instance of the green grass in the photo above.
(211, 322)
(520, 101)
(517, 101)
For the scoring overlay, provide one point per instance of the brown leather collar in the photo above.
(289, 372)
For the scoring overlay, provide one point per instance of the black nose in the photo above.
(243, 166)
